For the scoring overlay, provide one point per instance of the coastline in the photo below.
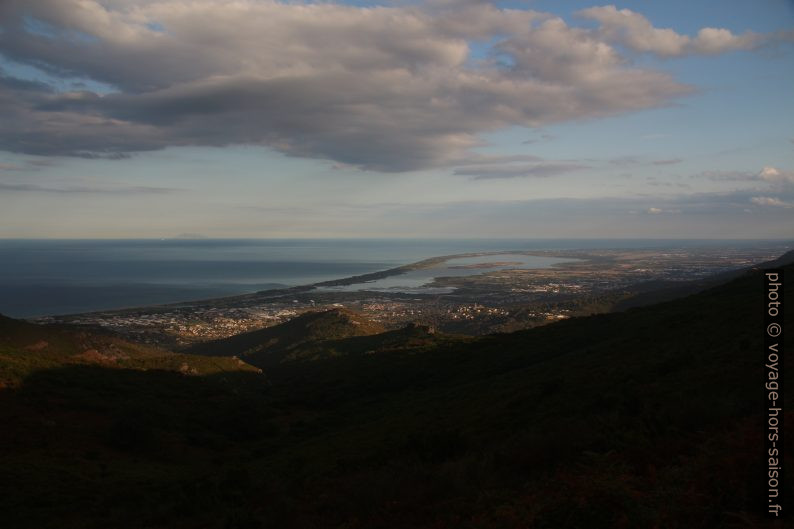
(263, 296)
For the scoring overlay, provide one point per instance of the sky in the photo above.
(445, 118)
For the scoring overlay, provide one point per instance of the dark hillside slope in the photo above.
(276, 342)
(96, 431)
(647, 418)
(657, 292)
(413, 337)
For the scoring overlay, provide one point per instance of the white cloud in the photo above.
(659, 211)
(719, 40)
(636, 32)
(775, 175)
(771, 201)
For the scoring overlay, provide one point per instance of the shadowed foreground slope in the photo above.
(648, 418)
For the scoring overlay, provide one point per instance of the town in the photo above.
(503, 300)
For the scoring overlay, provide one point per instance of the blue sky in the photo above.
(410, 119)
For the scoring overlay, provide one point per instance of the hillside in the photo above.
(26, 348)
(413, 337)
(647, 418)
(273, 344)
(658, 291)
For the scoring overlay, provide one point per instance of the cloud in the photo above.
(698, 215)
(495, 159)
(387, 88)
(664, 183)
(726, 176)
(623, 161)
(769, 174)
(541, 170)
(542, 138)
(659, 211)
(27, 165)
(634, 31)
(771, 201)
(776, 176)
(67, 190)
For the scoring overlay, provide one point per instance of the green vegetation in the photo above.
(646, 418)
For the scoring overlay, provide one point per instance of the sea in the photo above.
(49, 277)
